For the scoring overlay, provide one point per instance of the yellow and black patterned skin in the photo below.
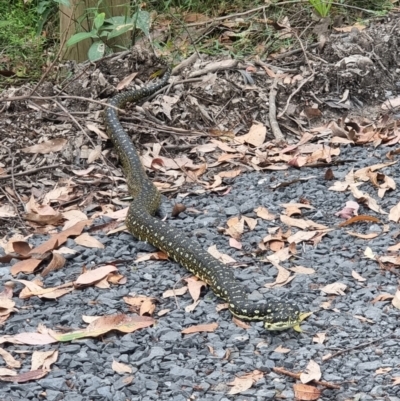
(276, 315)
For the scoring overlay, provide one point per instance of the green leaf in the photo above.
(4, 23)
(119, 20)
(78, 37)
(142, 19)
(96, 51)
(99, 20)
(119, 30)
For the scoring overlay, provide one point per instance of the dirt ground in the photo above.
(334, 88)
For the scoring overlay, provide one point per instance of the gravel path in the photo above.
(170, 366)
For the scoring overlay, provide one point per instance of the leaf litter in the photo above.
(268, 156)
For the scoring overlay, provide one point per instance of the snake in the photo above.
(143, 224)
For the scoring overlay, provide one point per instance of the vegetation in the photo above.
(29, 29)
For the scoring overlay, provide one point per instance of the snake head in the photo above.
(285, 316)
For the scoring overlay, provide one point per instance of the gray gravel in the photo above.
(169, 366)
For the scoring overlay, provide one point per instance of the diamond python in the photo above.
(276, 315)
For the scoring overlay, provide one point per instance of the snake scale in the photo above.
(276, 315)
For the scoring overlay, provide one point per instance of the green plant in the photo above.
(322, 7)
(103, 30)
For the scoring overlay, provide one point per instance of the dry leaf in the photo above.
(282, 350)
(120, 367)
(240, 323)
(334, 288)
(357, 276)
(382, 371)
(263, 212)
(245, 382)
(25, 377)
(396, 300)
(369, 254)
(88, 241)
(195, 285)
(9, 359)
(93, 276)
(312, 372)
(255, 136)
(305, 392)
(174, 293)
(362, 236)
(104, 324)
(211, 327)
(212, 250)
(319, 338)
(54, 145)
(382, 298)
(43, 359)
(394, 214)
(302, 270)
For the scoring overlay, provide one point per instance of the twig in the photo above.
(356, 347)
(185, 63)
(12, 173)
(302, 83)
(254, 10)
(294, 51)
(33, 171)
(272, 111)
(297, 376)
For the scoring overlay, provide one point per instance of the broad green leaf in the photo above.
(142, 19)
(119, 30)
(78, 37)
(99, 20)
(96, 51)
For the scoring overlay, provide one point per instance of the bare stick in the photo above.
(297, 376)
(272, 111)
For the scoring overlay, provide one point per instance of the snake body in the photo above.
(276, 315)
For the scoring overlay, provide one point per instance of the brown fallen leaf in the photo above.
(175, 293)
(255, 136)
(57, 262)
(264, 213)
(362, 236)
(9, 359)
(43, 359)
(195, 285)
(120, 367)
(159, 255)
(394, 213)
(282, 350)
(361, 217)
(143, 305)
(104, 324)
(210, 327)
(382, 298)
(27, 266)
(7, 372)
(240, 323)
(31, 338)
(25, 377)
(305, 392)
(88, 241)
(312, 372)
(357, 276)
(54, 145)
(334, 288)
(245, 382)
(382, 371)
(92, 276)
(319, 338)
(396, 300)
